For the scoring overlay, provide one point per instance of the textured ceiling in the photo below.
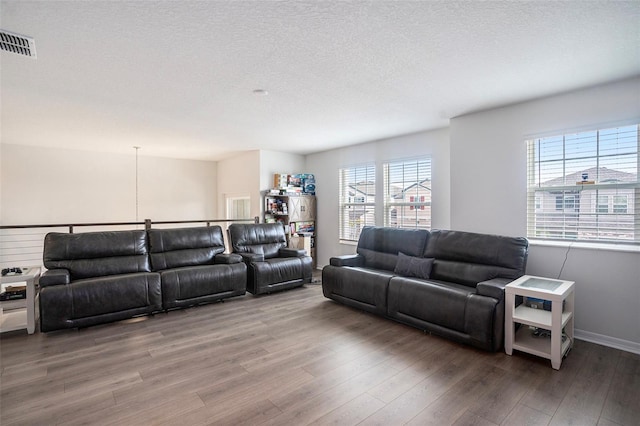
(176, 77)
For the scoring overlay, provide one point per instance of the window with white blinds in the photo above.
(407, 193)
(584, 186)
(357, 200)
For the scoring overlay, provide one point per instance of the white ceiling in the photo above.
(176, 77)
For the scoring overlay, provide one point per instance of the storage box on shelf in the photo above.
(556, 325)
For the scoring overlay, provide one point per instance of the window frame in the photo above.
(348, 231)
(620, 223)
(407, 167)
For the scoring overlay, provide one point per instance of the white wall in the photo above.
(239, 176)
(488, 194)
(56, 186)
(46, 185)
(325, 165)
(176, 189)
(272, 162)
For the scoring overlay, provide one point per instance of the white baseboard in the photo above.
(612, 342)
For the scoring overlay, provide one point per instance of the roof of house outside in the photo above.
(420, 184)
(362, 187)
(367, 188)
(599, 174)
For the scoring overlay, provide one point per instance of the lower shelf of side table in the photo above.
(541, 346)
(14, 319)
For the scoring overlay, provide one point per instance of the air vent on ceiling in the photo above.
(16, 43)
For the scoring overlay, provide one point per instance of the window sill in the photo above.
(587, 246)
(349, 242)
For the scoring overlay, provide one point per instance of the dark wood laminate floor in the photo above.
(296, 358)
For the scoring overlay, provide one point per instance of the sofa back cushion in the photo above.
(469, 258)
(261, 238)
(175, 248)
(96, 254)
(380, 246)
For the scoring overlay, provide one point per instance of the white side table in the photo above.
(20, 313)
(560, 293)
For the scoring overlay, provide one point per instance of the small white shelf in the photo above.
(559, 321)
(537, 317)
(21, 313)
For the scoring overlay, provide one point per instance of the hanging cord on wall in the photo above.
(566, 256)
(136, 148)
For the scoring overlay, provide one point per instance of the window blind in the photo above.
(357, 200)
(407, 198)
(584, 186)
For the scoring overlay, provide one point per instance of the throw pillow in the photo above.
(410, 266)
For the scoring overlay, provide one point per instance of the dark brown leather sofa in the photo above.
(449, 283)
(99, 277)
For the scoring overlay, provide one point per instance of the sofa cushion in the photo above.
(411, 266)
(466, 273)
(278, 270)
(266, 238)
(429, 301)
(175, 248)
(196, 284)
(380, 246)
(363, 288)
(97, 296)
(97, 254)
(469, 258)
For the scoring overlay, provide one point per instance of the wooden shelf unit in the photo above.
(296, 213)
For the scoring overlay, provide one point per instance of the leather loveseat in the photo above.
(271, 266)
(449, 283)
(98, 277)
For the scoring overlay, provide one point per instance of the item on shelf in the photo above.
(308, 227)
(294, 181)
(11, 271)
(12, 292)
(535, 303)
(297, 183)
(280, 180)
(542, 332)
(13, 295)
(308, 183)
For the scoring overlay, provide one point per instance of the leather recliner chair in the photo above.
(271, 266)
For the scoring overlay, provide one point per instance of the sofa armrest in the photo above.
(227, 258)
(347, 260)
(493, 288)
(54, 277)
(291, 252)
(252, 257)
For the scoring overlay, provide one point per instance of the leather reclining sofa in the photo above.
(449, 283)
(271, 266)
(98, 277)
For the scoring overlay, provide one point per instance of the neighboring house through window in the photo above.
(357, 200)
(407, 193)
(584, 186)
